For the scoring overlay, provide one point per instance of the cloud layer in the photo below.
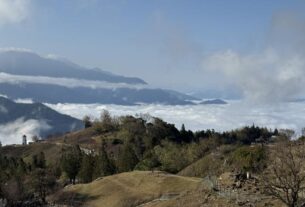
(14, 11)
(219, 117)
(11, 133)
(267, 76)
(66, 82)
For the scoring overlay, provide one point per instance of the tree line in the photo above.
(125, 143)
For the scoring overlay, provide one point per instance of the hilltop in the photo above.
(144, 161)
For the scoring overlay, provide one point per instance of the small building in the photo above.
(24, 140)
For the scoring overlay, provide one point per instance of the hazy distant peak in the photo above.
(25, 62)
(27, 75)
(14, 49)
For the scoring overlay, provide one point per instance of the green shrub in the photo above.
(249, 158)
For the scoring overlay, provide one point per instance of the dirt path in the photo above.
(164, 197)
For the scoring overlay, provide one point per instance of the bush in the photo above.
(249, 158)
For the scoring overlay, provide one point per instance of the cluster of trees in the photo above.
(147, 143)
(26, 183)
(128, 143)
(86, 167)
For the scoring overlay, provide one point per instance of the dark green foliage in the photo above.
(86, 170)
(149, 162)
(87, 122)
(42, 182)
(162, 130)
(173, 149)
(249, 158)
(71, 162)
(21, 182)
(103, 165)
(186, 136)
(106, 123)
(171, 158)
(127, 159)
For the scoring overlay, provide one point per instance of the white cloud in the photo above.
(66, 82)
(198, 117)
(267, 76)
(15, 49)
(234, 115)
(11, 133)
(24, 100)
(14, 11)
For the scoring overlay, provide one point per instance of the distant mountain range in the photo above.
(25, 74)
(57, 123)
(214, 101)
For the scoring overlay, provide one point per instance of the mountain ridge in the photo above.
(30, 63)
(11, 111)
(27, 75)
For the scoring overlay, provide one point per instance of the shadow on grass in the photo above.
(71, 199)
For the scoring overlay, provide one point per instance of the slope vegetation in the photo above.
(132, 189)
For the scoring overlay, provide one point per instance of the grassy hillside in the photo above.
(133, 188)
(153, 189)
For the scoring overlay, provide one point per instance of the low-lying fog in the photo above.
(233, 115)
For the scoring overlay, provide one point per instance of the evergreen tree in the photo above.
(86, 170)
(186, 136)
(71, 162)
(127, 159)
(106, 121)
(42, 182)
(103, 165)
(87, 122)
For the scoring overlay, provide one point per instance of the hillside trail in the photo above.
(164, 197)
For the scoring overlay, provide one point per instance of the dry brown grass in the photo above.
(133, 188)
(144, 189)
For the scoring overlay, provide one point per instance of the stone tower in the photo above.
(24, 141)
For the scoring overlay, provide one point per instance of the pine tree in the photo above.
(71, 162)
(86, 170)
(127, 159)
(103, 165)
(87, 122)
(42, 182)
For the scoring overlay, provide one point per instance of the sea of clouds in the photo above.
(235, 114)
(12, 132)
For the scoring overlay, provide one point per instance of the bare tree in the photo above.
(285, 177)
(13, 191)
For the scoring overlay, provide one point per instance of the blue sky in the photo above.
(164, 42)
